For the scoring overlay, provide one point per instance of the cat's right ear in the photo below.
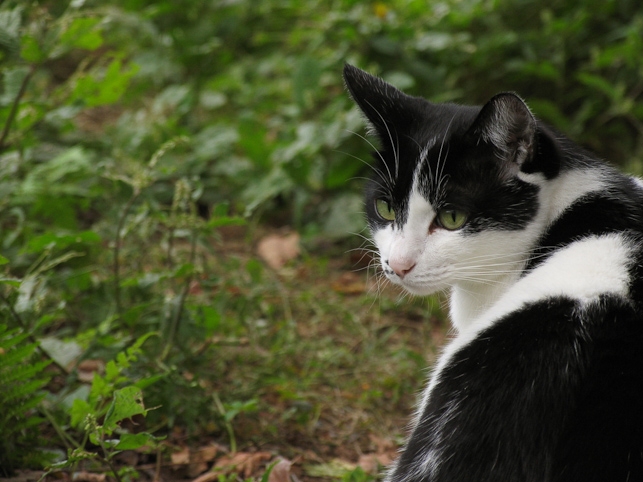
(385, 107)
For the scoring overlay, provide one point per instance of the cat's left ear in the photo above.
(506, 123)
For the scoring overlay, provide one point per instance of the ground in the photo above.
(314, 367)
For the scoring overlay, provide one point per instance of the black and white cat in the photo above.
(541, 247)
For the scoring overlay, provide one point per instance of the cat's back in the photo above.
(553, 392)
(547, 384)
(602, 439)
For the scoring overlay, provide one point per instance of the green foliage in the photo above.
(135, 135)
(112, 405)
(22, 380)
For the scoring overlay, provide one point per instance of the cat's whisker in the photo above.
(473, 279)
(388, 181)
(394, 145)
(391, 181)
(439, 169)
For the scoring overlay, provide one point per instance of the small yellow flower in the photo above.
(381, 10)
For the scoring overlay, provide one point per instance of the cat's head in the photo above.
(454, 196)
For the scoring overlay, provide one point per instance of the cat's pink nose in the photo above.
(402, 266)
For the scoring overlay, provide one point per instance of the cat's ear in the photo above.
(385, 107)
(506, 123)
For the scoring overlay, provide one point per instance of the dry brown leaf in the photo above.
(383, 444)
(208, 477)
(86, 369)
(181, 458)
(277, 249)
(281, 471)
(207, 453)
(371, 463)
(245, 462)
(197, 468)
(89, 477)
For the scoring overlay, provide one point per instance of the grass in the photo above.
(327, 363)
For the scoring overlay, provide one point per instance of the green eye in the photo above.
(451, 219)
(383, 208)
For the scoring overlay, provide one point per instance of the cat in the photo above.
(541, 247)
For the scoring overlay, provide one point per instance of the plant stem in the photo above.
(226, 422)
(69, 442)
(14, 106)
(117, 250)
(178, 312)
(106, 456)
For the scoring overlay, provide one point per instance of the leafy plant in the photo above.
(22, 382)
(147, 145)
(98, 416)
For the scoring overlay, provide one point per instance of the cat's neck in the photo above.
(471, 300)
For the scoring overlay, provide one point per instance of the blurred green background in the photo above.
(148, 145)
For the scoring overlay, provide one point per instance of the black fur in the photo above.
(553, 391)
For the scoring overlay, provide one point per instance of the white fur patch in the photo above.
(470, 299)
(569, 187)
(582, 271)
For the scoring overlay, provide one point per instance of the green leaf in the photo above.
(3, 260)
(11, 282)
(253, 141)
(306, 79)
(127, 402)
(106, 87)
(601, 84)
(63, 352)
(266, 474)
(79, 411)
(13, 78)
(130, 441)
(61, 241)
(83, 34)
(31, 51)
(211, 319)
(99, 389)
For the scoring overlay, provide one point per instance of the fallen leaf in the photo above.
(244, 462)
(181, 458)
(335, 468)
(371, 463)
(208, 477)
(281, 471)
(349, 283)
(207, 453)
(86, 369)
(277, 249)
(197, 468)
(89, 477)
(195, 288)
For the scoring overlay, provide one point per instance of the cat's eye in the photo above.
(451, 219)
(384, 209)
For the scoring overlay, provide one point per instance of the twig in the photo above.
(14, 106)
